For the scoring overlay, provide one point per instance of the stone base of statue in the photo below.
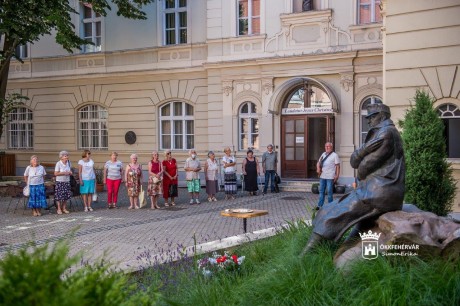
(408, 232)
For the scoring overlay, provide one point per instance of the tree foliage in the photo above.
(429, 181)
(26, 21)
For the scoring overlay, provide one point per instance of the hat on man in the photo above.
(375, 108)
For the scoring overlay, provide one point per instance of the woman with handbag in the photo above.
(170, 173)
(133, 179)
(87, 179)
(34, 177)
(155, 177)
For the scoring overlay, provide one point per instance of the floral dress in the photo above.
(134, 180)
(155, 188)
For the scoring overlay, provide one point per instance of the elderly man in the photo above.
(328, 169)
(381, 169)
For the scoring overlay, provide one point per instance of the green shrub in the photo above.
(49, 276)
(429, 181)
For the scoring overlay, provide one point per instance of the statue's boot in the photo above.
(315, 240)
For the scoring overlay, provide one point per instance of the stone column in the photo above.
(344, 124)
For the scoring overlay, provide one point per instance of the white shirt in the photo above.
(60, 167)
(212, 170)
(228, 159)
(35, 175)
(328, 171)
(87, 169)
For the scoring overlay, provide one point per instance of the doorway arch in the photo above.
(307, 109)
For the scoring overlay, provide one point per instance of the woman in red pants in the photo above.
(113, 174)
(169, 177)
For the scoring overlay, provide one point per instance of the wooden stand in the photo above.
(244, 216)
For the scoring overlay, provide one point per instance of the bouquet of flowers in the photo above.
(217, 263)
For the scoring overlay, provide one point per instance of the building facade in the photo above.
(207, 74)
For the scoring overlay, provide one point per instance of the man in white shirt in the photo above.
(328, 169)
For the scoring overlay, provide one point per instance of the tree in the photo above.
(25, 21)
(429, 181)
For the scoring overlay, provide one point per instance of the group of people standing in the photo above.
(162, 180)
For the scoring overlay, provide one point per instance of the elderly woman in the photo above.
(133, 179)
(210, 171)
(250, 171)
(192, 167)
(155, 178)
(170, 172)
(62, 171)
(87, 179)
(113, 177)
(229, 163)
(34, 177)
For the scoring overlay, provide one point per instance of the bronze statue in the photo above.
(307, 5)
(381, 174)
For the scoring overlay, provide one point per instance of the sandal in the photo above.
(157, 207)
(173, 204)
(167, 204)
(59, 212)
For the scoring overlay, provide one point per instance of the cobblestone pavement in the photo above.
(121, 235)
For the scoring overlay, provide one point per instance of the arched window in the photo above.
(20, 129)
(92, 128)
(177, 126)
(364, 124)
(450, 115)
(316, 97)
(248, 126)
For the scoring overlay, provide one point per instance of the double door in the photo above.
(302, 143)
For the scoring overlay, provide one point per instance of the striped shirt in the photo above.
(114, 169)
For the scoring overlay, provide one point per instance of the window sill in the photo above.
(366, 26)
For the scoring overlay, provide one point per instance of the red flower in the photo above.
(235, 259)
(222, 259)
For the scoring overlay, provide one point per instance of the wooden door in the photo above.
(293, 146)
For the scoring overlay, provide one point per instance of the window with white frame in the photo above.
(248, 17)
(369, 11)
(248, 126)
(91, 30)
(20, 129)
(364, 122)
(450, 115)
(92, 128)
(22, 51)
(175, 22)
(177, 126)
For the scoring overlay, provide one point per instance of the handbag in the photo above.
(172, 191)
(142, 201)
(277, 179)
(26, 190)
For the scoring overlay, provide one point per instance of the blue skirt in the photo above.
(88, 187)
(37, 198)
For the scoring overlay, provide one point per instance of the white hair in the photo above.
(62, 153)
(133, 155)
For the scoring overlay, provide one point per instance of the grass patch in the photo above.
(273, 274)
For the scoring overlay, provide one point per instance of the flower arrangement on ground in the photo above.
(217, 263)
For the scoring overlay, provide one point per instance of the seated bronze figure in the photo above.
(380, 171)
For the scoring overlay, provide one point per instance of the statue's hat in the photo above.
(375, 108)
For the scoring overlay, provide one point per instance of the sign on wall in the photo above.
(306, 110)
